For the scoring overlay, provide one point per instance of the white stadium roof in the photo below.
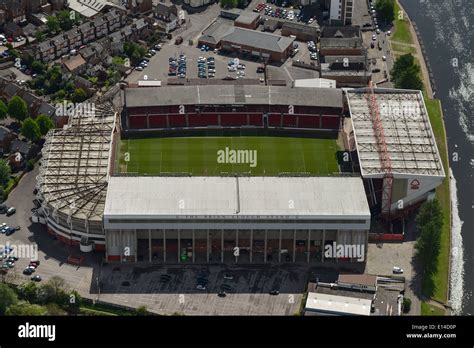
(174, 197)
(407, 131)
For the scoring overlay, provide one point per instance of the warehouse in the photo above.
(247, 42)
(178, 107)
(233, 219)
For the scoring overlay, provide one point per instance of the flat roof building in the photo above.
(324, 304)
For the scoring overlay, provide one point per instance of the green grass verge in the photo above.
(427, 309)
(402, 49)
(199, 155)
(441, 277)
(402, 27)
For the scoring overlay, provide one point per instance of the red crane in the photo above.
(382, 149)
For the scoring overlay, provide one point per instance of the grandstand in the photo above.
(233, 106)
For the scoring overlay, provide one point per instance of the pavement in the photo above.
(382, 257)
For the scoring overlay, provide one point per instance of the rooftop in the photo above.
(234, 94)
(410, 141)
(75, 165)
(258, 39)
(247, 17)
(333, 304)
(231, 197)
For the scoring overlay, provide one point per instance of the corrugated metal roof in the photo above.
(225, 94)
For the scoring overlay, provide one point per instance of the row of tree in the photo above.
(429, 222)
(31, 129)
(51, 298)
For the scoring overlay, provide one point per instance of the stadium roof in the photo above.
(407, 131)
(233, 95)
(333, 304)
(75, 165)
(232, 197)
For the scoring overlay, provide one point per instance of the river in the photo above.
(446, 29)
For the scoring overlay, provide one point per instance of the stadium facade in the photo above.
(235, 219)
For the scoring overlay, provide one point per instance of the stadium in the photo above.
(237, 174)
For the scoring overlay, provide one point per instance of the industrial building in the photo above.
(230, 38)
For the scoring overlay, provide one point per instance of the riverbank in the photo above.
(405, 40)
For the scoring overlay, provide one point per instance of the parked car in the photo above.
(3, 208)
(397, 270)
(36, 278)
(228, 276)
(11, 211)
(28, 271)
(221, 293)
(274, 292)
(200, 287)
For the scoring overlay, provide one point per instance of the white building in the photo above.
(328, 304)
(340, 11)
(230, 219)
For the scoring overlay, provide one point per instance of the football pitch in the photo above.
(215, 156)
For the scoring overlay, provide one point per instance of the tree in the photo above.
(142, 311)
(5, 172)
(79, 95)
(17, 108)
(55, 309)
(74, 302)
(53, 24)
(3, 110)
(386, 10)
(406, 305)
(7, 297)
(406, 73)
(229, 3)
(30, 130)
(65, 21)
(44, 123)
(429, 211)
(429, 222)
(28, 291)
(57, 283)
(24, 308)
(37, 67)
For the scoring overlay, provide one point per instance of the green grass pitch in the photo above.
(200, 156)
